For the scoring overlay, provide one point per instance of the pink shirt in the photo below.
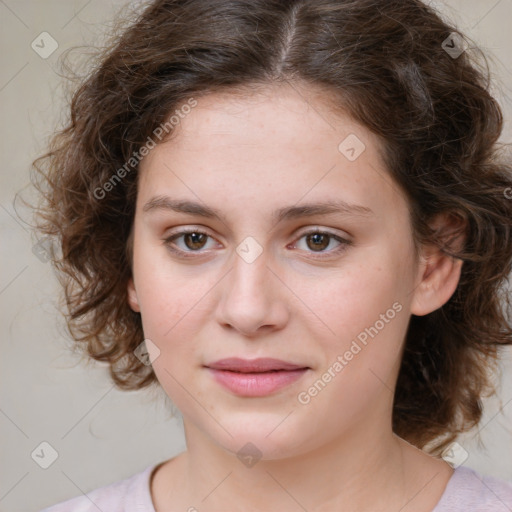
(466, 491)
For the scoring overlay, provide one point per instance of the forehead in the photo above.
(282, 143)
(273, 115)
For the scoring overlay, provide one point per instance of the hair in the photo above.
(382, 61)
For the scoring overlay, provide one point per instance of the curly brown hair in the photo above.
(398, 68)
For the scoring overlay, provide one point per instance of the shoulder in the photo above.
(468, 490)
(129, 495)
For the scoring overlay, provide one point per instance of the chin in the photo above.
(265, 441)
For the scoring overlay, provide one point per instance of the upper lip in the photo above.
(263, 364)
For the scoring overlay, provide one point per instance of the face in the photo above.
(331, 292)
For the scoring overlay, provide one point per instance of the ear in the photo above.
(133, 301)
(439, 273)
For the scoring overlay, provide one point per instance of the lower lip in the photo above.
(256, 384)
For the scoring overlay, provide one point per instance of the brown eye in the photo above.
(319, 241)
(192, 241)
(195, 240)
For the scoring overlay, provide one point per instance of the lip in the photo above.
(262, 364)
(257, 377)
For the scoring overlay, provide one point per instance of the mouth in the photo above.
(260, 365)
(257, 377)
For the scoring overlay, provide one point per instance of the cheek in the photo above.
(351, 298)
(165, 294)
(363, 313)
(170, 311)
(175, 304)
(366, 311)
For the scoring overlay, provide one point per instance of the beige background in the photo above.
(102, 435)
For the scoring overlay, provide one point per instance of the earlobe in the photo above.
(133, 301)
(439, 275)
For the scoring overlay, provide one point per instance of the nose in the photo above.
(254, 300)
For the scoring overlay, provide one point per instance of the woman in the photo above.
(293, 217)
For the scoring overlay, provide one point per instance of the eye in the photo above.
(194, 240)
(318, 241)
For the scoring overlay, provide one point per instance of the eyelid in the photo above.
(315, 228)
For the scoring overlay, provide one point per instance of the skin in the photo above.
(247, 156)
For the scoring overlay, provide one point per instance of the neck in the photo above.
(351, 475)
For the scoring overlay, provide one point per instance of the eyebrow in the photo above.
(286, 213)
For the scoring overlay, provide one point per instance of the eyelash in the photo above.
(191, 254)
